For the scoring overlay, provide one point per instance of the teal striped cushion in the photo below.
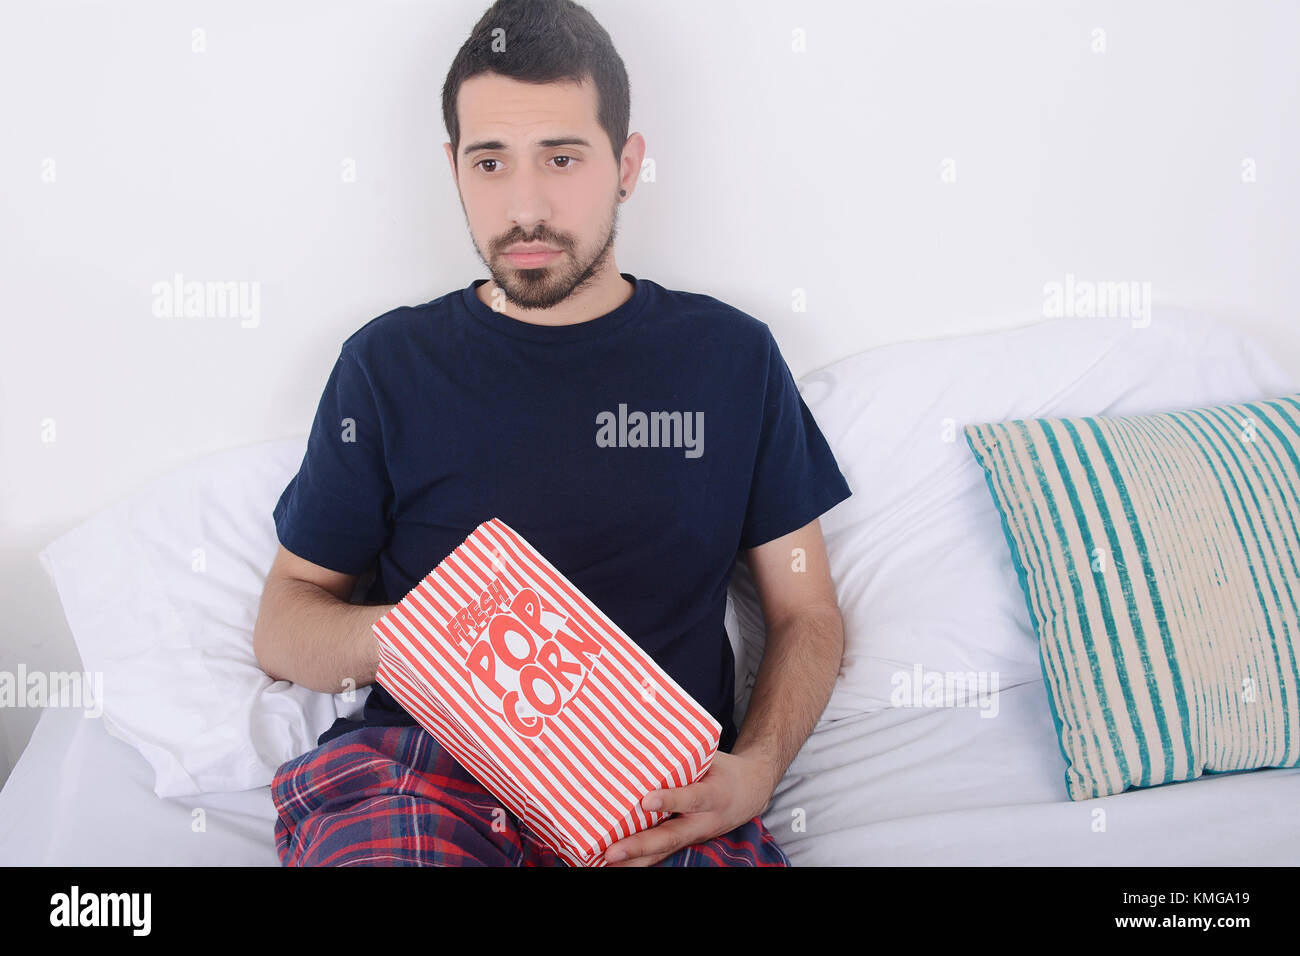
(1160, 560)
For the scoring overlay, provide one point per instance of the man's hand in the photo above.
(733, 791)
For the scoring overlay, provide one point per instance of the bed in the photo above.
(177, 775)
(912, 788)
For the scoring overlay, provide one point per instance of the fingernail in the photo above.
(651, 803)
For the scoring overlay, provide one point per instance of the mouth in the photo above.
(529, 257)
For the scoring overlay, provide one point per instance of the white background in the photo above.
(775, 170)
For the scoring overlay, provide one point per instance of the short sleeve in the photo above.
(336, 512)
(796, 478)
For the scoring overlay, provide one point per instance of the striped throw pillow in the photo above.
(1160, 560)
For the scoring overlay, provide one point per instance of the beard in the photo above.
(549, 285)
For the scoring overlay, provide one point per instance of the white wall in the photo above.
(775, 170)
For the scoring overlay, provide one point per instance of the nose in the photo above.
(529, 204)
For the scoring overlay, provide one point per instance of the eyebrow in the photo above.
(496, 144)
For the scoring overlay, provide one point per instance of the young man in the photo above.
(497, 401)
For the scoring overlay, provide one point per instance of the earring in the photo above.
(622, 192)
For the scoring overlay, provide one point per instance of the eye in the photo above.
(570, 160)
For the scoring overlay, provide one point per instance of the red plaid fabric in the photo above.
(392, 796)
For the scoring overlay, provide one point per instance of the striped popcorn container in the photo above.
(540, 696)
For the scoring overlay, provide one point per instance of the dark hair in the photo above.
(545, 41)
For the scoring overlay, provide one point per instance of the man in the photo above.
(489, 402)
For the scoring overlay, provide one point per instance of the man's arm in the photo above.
(802, 654)
(801, 659)
(308, 633)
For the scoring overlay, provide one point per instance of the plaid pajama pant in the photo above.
(392, 796)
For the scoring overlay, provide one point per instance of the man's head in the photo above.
(537, 106)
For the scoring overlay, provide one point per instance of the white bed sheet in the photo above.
(80, 797)
(898, 787)
(945, 786)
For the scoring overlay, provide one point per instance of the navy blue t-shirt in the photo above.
(441, 416)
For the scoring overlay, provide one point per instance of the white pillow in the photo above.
(161, 591)
(921, 568)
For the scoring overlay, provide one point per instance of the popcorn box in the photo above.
(540, 696)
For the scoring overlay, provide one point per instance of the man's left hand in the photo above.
(735, 789)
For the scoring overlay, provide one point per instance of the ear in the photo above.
(451, 159)
(630, 167)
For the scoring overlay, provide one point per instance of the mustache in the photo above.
(548, 239)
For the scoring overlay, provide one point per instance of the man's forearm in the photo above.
(306, 635)
(801, 660)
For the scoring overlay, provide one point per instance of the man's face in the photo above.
(519, 190)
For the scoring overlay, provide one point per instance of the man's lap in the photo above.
(392, 796)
